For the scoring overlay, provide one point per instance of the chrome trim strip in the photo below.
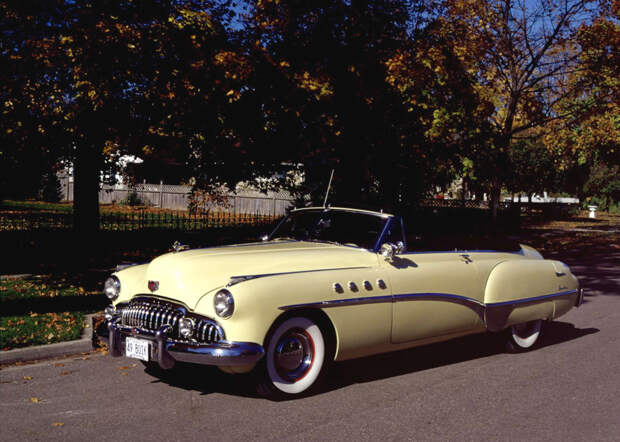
(477, 306)
(436, 297)
(344, 209)
(461, 251)
(237, 279)
(340, 302)
(533, 299)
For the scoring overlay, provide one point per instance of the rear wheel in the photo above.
(294, 359)
(524, 336)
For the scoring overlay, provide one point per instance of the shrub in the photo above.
(133, 200)
(50, 187)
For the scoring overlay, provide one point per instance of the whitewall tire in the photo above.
(294, 359)
(525, 336)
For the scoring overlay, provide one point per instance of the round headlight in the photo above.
(186, 327)
(224, 304)
(112, 287)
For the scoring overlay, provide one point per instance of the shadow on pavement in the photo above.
(342, 374)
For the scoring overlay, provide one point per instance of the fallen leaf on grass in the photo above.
(27, 378)
(34, 400)
(58, 424)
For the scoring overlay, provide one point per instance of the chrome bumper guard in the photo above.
(579, 299)
(167, 351)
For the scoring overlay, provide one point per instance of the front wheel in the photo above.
(294, 359)
(522, 337)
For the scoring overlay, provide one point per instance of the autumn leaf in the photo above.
(34, 400)
(58, 424)
(27, 378)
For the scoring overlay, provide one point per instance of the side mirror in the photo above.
(387, 250)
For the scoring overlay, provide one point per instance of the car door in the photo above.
(434, 294)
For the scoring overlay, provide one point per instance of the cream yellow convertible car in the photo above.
(328, 284)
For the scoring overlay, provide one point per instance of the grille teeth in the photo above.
(151, 315)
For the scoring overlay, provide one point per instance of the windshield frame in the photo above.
(390, 220)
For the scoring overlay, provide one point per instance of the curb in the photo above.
(36, 352)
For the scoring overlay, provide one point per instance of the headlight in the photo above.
(224, 304)
(112, 287)
(186, 327)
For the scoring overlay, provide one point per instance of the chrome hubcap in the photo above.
(294, 353)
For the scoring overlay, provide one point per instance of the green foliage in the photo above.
(603, 186)
(51, 190)
(533, 168)
(39, 329)
(133, 200)
(397, 97)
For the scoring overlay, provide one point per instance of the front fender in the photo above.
(260, 302)
(133, 281)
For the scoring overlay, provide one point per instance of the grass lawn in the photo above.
(45, 309)
(39, 328)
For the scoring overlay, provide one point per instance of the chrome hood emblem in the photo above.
(178, 247)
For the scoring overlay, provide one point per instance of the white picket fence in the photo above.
(174, 197)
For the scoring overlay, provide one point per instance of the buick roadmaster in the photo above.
(328, 284)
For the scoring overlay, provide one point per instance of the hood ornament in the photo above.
(178, 247)
(153, 286)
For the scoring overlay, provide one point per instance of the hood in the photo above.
(190, 274)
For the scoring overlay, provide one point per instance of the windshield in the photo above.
(334, 226)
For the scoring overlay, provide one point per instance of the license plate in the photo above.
(137, 348)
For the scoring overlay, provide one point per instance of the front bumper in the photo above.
(167, 351)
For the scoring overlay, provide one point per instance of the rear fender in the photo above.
(525, 290)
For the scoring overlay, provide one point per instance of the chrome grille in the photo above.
(151, 314)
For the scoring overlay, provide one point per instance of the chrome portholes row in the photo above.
(354, 287)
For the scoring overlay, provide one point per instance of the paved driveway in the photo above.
(467, 389)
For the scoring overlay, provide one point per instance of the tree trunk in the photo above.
(495, 193)
(86, 172)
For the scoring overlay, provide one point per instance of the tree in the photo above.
(533, 168)
(603, 184)
(522, 54)
(587, 140)
(88, 80)
(337, 85)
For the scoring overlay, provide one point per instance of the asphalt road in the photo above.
(466, 389)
